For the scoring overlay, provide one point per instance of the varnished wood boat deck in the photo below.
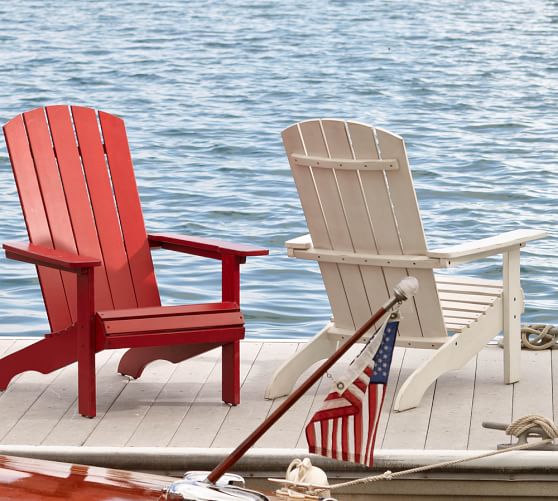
(180, 406)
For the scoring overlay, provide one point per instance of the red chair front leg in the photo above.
(86, 343)
(230, 376)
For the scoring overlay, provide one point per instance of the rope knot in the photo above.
(387, 475)
(524, 424)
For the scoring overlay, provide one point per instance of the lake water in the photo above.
(206, 87)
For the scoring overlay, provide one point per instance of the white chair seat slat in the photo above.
(458, 321)
(452, 328)
(467, 298)
(453, 279)
(474, 315)
(462, 306)
(469, 289)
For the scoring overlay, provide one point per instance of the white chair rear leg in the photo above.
(321, 346)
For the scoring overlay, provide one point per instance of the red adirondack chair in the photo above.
(88, 239)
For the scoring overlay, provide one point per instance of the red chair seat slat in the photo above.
(217, 337)
(175, 323)
(169, 311)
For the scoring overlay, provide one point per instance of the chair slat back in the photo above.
(77, 197)
(67, 195)
(352, 209)
(36, 220)
(411, 233)
(127, 198)
(311, 205)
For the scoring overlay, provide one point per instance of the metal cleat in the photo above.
(533, 432)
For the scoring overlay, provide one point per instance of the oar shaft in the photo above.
(234, 456)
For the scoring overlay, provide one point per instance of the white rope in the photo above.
(516, 428)
(388, 475)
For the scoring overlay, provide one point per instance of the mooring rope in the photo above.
(388, 475)
(539, 336)
(518, 427)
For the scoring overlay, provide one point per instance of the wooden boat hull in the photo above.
(36, 479)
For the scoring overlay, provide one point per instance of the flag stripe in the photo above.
(323, 433)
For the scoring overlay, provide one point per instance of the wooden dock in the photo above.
(180, 405)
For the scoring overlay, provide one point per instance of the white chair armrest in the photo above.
(300, 243)
(487, 246)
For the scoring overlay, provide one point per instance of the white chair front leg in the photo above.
(321, 346)
(513, 307)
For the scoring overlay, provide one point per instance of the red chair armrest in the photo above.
(44, 256)
(207, 247)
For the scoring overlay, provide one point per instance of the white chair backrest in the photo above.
(357, 194)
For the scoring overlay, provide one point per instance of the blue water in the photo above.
(205, 88)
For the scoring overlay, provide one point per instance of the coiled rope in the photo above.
(518, 427)
(539, 336)
(524, 424)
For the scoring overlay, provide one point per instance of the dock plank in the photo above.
(408, 429)
(5, 345)
(287, 430)
(204, 419)
(22, 392)
(180, 405)
(324, 387)
(126, 413)
(451, 409)
(49, 407)
(492, 400)
(73, 429)
(533, 393)
(242, 419)
(554, 363)
(393, 380)
(174, 401)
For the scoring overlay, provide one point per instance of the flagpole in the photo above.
(402, 291)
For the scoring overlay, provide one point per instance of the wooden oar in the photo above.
(403, 290)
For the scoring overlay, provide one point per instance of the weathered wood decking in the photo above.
(180, 406)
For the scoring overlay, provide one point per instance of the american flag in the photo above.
(345, 427)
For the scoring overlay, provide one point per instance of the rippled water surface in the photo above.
(206, 87)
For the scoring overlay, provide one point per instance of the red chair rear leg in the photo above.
(51, 353)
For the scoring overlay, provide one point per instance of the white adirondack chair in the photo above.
(357, 194)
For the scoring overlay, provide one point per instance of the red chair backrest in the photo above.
(78, 193)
